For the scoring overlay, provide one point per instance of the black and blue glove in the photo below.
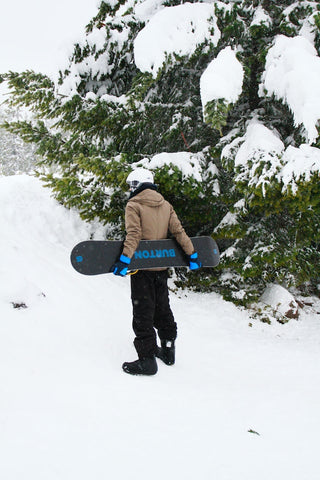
(121, 266)
(194, 262)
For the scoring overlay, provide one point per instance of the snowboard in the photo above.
(94, 257)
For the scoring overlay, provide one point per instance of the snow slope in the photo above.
(67, 411)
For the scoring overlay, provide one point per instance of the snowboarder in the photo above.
(149, 216)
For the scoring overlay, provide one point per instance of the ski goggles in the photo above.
(133, 185)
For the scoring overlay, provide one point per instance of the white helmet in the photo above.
(139, 176)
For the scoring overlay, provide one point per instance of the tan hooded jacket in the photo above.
(149, 216)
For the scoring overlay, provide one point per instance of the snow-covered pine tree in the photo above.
(192, 90)
(270, 148)
(106, 114)
(16, 156)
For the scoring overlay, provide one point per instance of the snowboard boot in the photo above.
(142, 366)
(166, 352)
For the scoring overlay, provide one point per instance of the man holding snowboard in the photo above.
(148, 216)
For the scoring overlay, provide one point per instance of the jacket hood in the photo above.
(148, 197)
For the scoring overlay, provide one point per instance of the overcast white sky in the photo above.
(39, 34)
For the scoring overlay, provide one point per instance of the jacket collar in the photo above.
(142, 187)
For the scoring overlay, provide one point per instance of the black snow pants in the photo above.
(151, 310)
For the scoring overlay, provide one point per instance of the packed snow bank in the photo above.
(67, 411)
(292, 74)
(281, 300)
(222, 78)
(174, 30)
(33, 224)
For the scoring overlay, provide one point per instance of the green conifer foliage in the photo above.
(274, 226)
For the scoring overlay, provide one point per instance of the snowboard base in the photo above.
(95, 257)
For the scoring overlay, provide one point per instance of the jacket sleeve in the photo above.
(177, 230)
(133, 229)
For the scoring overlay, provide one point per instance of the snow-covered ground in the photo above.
(67, 411)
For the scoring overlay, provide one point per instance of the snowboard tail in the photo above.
(95, 257)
